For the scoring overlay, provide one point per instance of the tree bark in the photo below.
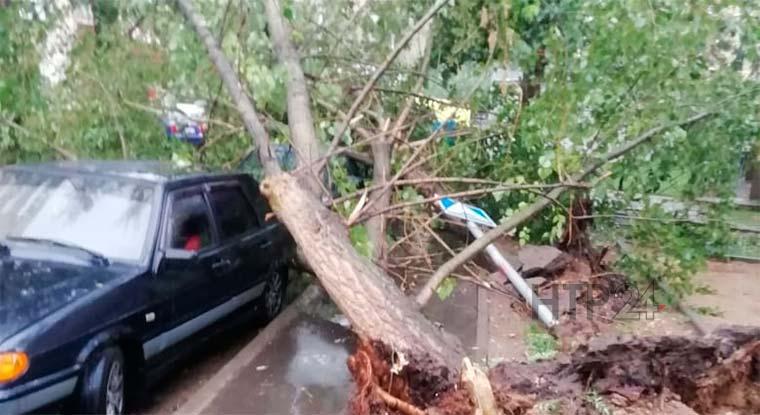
(754, 189)
(381, 173)
(375, 306)
(300, 120)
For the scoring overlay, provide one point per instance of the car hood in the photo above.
(33, 289)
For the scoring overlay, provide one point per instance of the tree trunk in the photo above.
(300, 120)
(375, 306)
(754, 183)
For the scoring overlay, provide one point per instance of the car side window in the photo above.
(189, 222)
(234, 213)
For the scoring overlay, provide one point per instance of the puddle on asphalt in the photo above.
(302, 372)
(317, 369)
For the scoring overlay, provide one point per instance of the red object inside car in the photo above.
(193, 243)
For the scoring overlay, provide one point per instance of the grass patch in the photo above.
(597, 403)
(744, 217)
(709, 311)
(553, 407)
(541, 344)
(705, 290)
(746, 245)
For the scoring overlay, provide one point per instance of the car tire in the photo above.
(273, 298)
(103, 388)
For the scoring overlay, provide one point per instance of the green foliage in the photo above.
(553, 407)
(594, 75)
(669, 252)
(446, 288)
(360, 240)
(597, 403)
(709, 311)
(608, 71)
(704, 290)
(541, 344)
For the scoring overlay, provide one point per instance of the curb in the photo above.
(203, 397)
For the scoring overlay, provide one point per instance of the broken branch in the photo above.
(66, 154)
(478, 192)
(379, 73)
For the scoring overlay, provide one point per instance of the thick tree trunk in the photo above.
(375, 306)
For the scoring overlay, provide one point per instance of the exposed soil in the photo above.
(704, 374)
(602, 368)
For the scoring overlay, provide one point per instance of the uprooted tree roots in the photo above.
(706, 374)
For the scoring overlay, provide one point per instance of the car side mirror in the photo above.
(174, 257)
(180, 255)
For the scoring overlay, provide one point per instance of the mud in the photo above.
(676, 374)
(722, 371)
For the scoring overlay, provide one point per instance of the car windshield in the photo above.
(110, 216)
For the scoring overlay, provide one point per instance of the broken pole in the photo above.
(542, 311)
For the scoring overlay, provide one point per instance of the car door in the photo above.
(241, 232)
(193, 265)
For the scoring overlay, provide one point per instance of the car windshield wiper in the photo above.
(98, 257)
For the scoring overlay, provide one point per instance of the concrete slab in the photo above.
(736, 288)
(506, 331)
(457, 314)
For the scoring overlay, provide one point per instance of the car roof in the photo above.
(150, 171)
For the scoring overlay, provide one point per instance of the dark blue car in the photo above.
(110, 271)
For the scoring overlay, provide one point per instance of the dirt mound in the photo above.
(704, 374)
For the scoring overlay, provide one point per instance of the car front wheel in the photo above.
(103, 388)
(274, 294)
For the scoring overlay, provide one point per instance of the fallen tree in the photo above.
(389, 323)
(376, 308)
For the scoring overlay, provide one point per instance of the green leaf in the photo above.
(288, 13)
(446, 288)
(530, 12)
(360, 240)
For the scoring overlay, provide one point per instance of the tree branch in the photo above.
(243, 103)
(479, 192)
(425, 180)
(379, 73)
(382, 151)
(528, 212)
(66, 154)
(300, 120)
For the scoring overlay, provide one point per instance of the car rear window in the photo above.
(235, 215)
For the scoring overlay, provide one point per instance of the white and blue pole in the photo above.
(474, 217)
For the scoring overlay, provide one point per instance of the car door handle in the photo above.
(221, 264)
